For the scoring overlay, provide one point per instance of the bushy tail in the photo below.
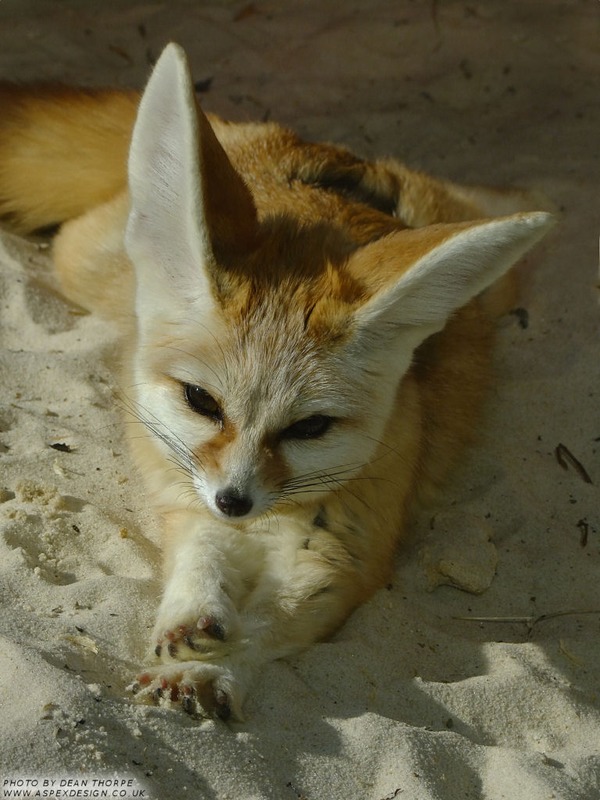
(62, 151)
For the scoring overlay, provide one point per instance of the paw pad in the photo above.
(193, 687)
(196, 638)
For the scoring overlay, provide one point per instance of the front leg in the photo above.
(198, 621)
(271, 592)
(197, 614)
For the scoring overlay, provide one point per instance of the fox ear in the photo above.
(442, 268)
(190, 210)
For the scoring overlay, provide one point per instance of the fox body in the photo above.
(306, 345)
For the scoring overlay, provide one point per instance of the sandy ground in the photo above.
(417, 696)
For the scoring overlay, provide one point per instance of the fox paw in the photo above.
(182, 641)
(199, 689)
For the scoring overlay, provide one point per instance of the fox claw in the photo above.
(212, 627)
(222, 708)
(196, 687)
(189, 701)
(196, 638)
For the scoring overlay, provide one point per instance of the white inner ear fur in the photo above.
(447, 277)
(166, 238)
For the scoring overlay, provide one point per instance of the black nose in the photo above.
(231, 502)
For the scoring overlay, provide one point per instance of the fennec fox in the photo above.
(306, 344)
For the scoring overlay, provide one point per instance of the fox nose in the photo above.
(231, 502)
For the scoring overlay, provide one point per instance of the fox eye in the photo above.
(200, 401)
(309, 428)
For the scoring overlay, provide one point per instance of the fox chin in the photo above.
(306, 339)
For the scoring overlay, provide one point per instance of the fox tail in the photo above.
(62, 151)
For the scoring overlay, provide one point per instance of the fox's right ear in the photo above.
(190, 210)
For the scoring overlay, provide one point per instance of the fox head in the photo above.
(270, 352)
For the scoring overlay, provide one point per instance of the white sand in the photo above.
(409, 700)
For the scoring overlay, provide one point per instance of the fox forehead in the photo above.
(284, 354)
(288, 356)
(268, 354)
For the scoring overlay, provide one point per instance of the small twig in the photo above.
(393, 794)
(584, 529)
(565, 457)
(299, 795)
(530, 621)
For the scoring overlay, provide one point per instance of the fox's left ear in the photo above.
(441, 268)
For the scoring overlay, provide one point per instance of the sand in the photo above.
(476, 673)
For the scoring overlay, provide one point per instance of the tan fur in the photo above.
(300, 237)
(46, 178)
